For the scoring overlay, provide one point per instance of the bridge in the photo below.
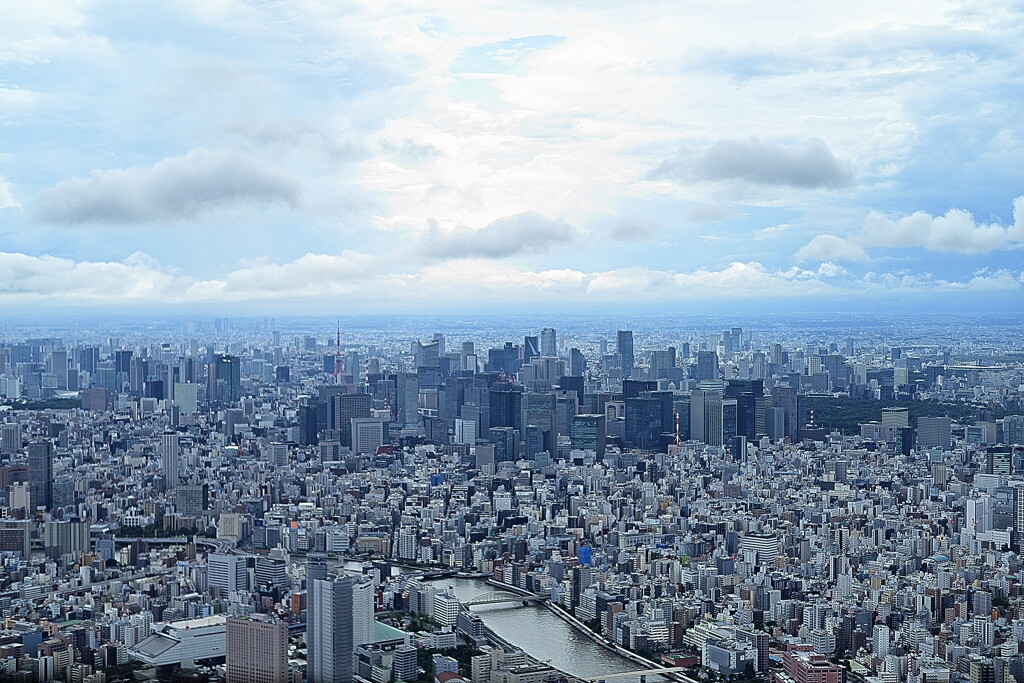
(642, 673)
(497, 597)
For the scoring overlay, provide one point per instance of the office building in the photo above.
(624, 347)
(340, 618)
(707, 366)
(225, 379)
(226, 573)
(346, 407)
(256, 650)
(169, 458)
(588, 433)
(40, 473)
(934, 432)
(548, 342)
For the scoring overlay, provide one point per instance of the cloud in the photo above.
(831, 248)
(632, 229)
(808, 165)
(138, 278)
(176, 188)
(956, 231)
(528, 232)
(312, 276)
(7, 198)
(370, 282)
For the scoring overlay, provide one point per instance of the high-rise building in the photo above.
(504, 440)
(1018, 515)
(624, 347)
(256, 650)
(340, 618)
(707, 415)
(403, 664)
(577, 363)
(531, 349)
(191, 499)
(227, 573)
(40, 473)
(1013, 430)
(65, 538)
(368, 434)
(895, 417)
(10, 438)
(344, 408)
(588, 433)
(225, 379)
(934, 432)
(707, 365)
(548, 342)
(169, 458)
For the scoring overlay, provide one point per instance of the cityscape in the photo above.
(272, 499)
(532, 341)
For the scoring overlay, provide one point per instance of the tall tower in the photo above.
(169, 453)
(624, 345)
(548, 342)
(40, 473)
(340, 617)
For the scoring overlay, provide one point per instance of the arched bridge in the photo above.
(496, 597)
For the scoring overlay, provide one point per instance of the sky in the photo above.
(332, 156)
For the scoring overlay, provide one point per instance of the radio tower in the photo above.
(678, 442)
(337, 354)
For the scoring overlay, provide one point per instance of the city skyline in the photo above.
(231, 157)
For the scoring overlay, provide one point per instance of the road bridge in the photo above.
(497, 597)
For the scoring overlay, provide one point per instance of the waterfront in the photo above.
(544, 636)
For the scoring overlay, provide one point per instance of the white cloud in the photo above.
(524, 233)
(369, 282)
(956, 231)
(176, 188)
(136, 279)
(7, 198)
(831, 248)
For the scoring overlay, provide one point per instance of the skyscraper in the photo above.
(531, 349)
(707, 413)
(344, 408)
(548, 342)
(707, 365)
(588, 433)
(225, 379)
(40, 473)
(340, 617)
(256, 650)
(169, 453)
(624, 346)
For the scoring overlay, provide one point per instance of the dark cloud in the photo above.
(176, 188)
(528, 232)
(807, 165)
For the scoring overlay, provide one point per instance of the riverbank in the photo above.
(583, 629)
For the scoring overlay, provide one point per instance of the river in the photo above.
(544, 636)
